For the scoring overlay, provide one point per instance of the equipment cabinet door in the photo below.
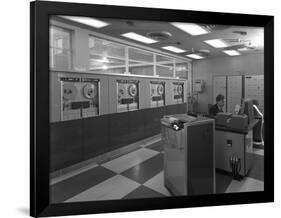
(200, 145)
(234, 92)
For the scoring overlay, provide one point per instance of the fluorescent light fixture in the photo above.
(88, 21)
(243, 49)
(191, 28)
(173, 49)
(231, 52)
(217, 43)
(195, 56)
(138, 37)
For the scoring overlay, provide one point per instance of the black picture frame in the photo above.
(39, 108)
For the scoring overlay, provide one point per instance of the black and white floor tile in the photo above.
(139, 174)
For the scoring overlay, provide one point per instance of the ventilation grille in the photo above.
(159, 36)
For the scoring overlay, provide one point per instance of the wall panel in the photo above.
(136, 126)
(152, 118)
(65, 144)
(118, 130)
(95, 136)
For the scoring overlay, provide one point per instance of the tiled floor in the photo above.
(139, 174)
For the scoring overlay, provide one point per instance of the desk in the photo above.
(234, 142)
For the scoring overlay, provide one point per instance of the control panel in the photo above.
(157, 94)
(79, 97)
(127, 95)
(178, 92)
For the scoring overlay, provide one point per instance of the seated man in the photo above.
(216, 108)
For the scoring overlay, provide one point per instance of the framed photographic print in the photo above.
(141, 109)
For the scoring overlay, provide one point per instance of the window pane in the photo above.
(59, 58)
(60, 48)
(165, 70)
(106, 48)
(98, 60)
(182, 70)
(140, 62)
(164, 66)
(140, 55)
(61, 61)
(138, 69)
(163, 59)
(60, 38)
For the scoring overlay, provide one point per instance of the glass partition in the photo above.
(106, 56)
(140, 62)
(113, 58)
(181, 70)
(164, 66)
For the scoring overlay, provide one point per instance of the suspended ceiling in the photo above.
(251, 37)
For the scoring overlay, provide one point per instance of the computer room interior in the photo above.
(129, 104)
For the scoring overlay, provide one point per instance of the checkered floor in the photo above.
(139, 174)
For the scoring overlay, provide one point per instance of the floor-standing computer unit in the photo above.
(189, 162)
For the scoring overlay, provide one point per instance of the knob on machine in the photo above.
(69, 91)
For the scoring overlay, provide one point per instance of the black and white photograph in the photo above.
(145, 109)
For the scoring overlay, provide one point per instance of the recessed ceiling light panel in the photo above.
(88, 21)
(191, 28)
(243, 49)
(231, 52)
(217, 43)
(138, 37)
(174, 49)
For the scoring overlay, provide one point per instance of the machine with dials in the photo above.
(127, 94)
(178, 92)
(79, 97)
(157, 94)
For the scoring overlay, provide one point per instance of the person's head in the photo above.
(220, 100)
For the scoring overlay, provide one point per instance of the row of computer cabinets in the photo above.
(80, 95)
(79, 140)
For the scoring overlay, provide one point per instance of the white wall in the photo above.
(238, 65)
